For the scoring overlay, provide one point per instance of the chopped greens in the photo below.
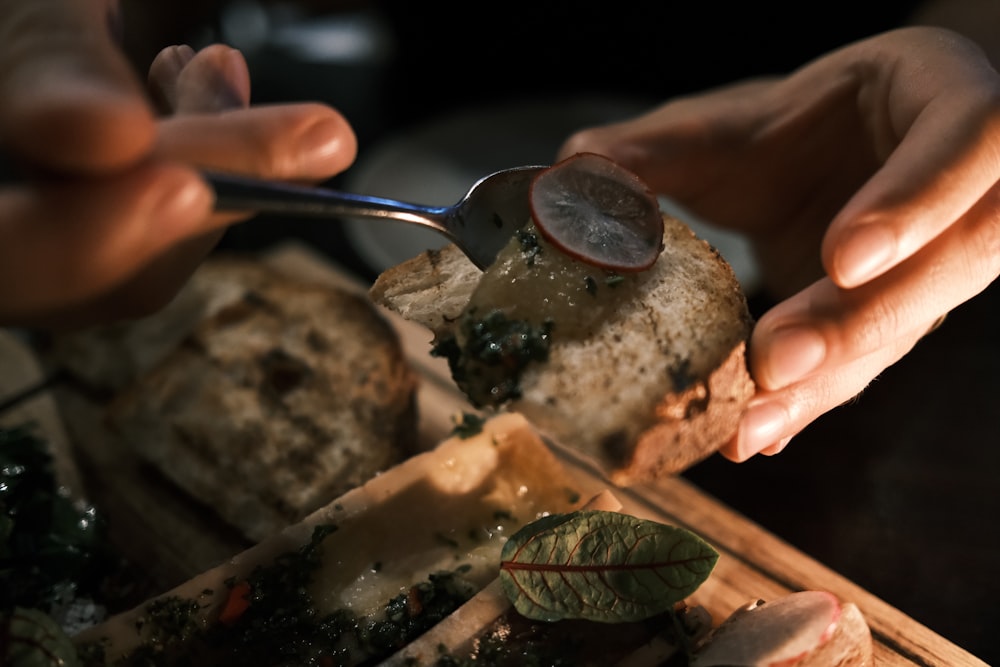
(280, 625)
(468, 425)
(487, 366)
(51, 549)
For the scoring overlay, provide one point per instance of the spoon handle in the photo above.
(243, 193)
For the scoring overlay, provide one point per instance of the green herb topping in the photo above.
(614, 279)
(50, 548)
(530, 247)
(488, 366)
(468, 425)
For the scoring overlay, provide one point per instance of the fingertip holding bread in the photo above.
(645, 373)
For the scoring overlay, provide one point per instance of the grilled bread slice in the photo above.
(644, 372)
(284, 397)
(108, 358)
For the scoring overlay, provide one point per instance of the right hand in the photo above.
(113, 216)
(868, 182)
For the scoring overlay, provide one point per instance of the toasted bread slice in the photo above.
(645, 373)
(279, 400)
(110, 357)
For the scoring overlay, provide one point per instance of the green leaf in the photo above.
(601, 566)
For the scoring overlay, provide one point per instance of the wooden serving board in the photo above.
(175, 539)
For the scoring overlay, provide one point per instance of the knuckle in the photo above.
(877, 325)
(987, 253)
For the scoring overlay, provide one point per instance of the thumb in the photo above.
(69, 99)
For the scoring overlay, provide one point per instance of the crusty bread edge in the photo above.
(693, 424)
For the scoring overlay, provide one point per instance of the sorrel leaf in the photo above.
(601, 566)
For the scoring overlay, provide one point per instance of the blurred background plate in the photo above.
(436, 164)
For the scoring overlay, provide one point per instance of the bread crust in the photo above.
(660, 385)
(692, 424)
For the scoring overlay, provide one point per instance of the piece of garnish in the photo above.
(772, 634)
(601, 566)
(467, 425)
(237, 602)
(598, 212)
(50, 546)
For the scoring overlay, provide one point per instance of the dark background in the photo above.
(895, 490)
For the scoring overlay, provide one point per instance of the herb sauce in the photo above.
(532, 294)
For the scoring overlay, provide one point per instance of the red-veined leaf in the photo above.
(602, 566)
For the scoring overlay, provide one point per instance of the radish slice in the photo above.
(772, 634)
(598, 212)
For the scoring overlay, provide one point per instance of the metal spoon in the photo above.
(480, 223)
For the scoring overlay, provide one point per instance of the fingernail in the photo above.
(320, 142)
(215, 79)
(864, 254)
(761, 427)
(237, 80)
(179, 56)
(793, 353)
(776, 448)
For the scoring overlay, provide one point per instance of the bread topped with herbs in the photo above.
(644, 370)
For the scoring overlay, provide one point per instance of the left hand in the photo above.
(112, 216)
(209, 123)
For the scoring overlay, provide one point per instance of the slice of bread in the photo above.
(110, 357)
(277, 401)
(645, 373)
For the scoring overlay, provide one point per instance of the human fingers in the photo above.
(209, 91)
(70, 100)
(63, 243)
(821, 347)
(147, 269)
(934, 111)
(773, 418)
(826, 326)
(164, 73)
(291, 142)
(766, 159)
(678, 147)
(138, 273)
(213, 79)
(208, 132)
